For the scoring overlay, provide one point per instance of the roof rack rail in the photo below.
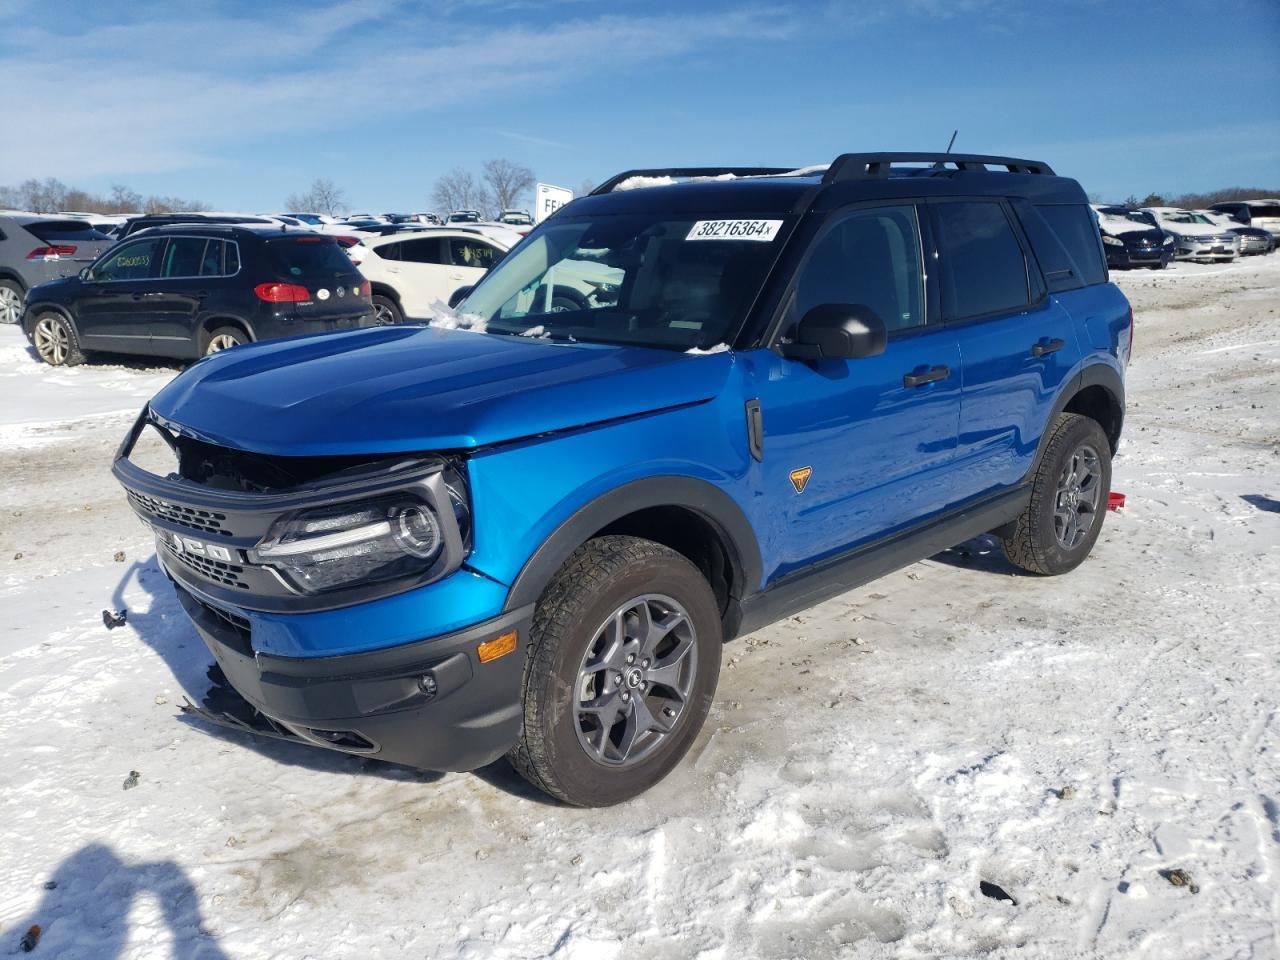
(611, 184)
(867, 166)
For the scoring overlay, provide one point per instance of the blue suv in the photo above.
(685, 406)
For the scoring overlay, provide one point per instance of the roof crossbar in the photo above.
(612, 183)
(867, 166)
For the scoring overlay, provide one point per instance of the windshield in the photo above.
(640, 280)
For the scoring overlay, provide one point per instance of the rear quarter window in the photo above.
(984, 269)
(1076, 230)
(308, 257)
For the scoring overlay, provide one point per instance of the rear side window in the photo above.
(983, 267)
(1266, 212)
(132, 261)
(426, 250)
(1077, 231)
(55, 232)
(184, 257)
(871, 258)
(308, 257)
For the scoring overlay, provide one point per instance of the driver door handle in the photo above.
(1045, 346)
(932, 375)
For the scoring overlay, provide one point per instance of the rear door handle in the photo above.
(1045, 346)
(931, 375)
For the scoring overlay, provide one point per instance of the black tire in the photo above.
(55, 340)
(11, 298)
(1033, 542)
(386, 312)
(221, 339)
(600, 578)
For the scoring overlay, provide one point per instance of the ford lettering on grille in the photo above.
(181, 544)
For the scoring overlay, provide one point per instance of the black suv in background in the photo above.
(188, 290)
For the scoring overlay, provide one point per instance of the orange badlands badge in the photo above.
(800, 478)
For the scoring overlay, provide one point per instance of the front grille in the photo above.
(227, 574)
(206, 521)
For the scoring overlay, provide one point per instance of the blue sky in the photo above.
(240, 103)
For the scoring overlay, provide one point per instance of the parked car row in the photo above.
(1154, 236)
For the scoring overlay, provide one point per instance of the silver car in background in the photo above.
(36, 248)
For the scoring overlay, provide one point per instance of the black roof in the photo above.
(214, 228)
(851, 178)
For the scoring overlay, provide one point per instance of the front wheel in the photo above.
(622, 667)
(1069, 495)
(55, 341)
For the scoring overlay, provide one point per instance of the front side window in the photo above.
(871, 258)
(669, 281)
(984, 269)
(133, 261)
(472, 253)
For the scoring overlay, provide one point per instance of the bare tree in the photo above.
(123, 200)
(508, 182)
(458, 190)
(324, 196)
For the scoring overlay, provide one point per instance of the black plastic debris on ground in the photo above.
(131, 780)
(995, 892)
(112, 620)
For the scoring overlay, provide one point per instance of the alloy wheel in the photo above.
(10, 305)
(1076, 501)
(635, 680)
(52, 341)
(382, 315)
(223, 341)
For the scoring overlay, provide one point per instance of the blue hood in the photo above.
(403, 389)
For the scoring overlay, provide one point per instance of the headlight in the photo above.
(1112, 241)
(388, 538)
(1168, 241)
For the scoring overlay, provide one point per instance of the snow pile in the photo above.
(717, 348)
(444, 317)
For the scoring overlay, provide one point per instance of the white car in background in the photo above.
(410, 271)
(1196, 236)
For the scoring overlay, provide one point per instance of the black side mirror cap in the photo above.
(837, 331)
(460, 294)
(85, 273)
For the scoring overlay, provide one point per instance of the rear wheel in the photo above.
(55, 341)
(386, 311)
(622, 667)
(1069, 495)
(224, 338)
(10, 302)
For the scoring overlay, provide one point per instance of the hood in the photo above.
(415, 388)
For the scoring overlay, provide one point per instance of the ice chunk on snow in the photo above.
(444, 317)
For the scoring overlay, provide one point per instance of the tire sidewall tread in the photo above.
(601, 575)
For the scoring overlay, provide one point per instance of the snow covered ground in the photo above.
(867, 767)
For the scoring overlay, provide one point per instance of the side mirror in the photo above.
(86, 274)
(459, 295)
(837, 331)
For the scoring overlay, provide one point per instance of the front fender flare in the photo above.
(698, 496)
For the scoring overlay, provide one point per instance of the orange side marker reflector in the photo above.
(497, 647)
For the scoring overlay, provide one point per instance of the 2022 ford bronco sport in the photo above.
(688, 405)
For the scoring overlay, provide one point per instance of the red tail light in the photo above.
(282, 293)
(347, 241)
(366, 290)
(46, 253)
(309, 240)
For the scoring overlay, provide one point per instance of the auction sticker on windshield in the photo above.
(734, 230)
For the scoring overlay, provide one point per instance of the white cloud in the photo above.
(168, 94)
